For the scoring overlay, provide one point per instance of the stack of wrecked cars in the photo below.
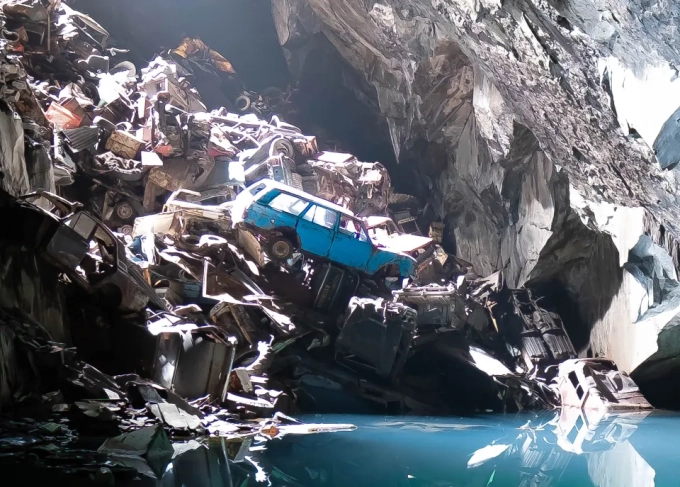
(82, 247)
(217, 271)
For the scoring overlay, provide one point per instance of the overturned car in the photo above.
(597, 385)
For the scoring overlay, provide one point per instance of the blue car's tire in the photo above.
(280, 248)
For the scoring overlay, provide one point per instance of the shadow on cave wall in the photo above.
(578, 274)
(659, 390)
(334, 102)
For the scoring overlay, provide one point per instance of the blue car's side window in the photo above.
(321, 216)
(350, 226)
(288, 204)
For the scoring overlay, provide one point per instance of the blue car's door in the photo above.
(351, 245)
(316, 228)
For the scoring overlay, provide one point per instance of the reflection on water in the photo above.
(633, 450)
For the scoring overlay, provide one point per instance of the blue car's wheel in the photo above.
(280, 248)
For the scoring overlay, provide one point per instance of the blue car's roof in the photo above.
(270, 184)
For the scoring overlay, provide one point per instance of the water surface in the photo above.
(570, 450)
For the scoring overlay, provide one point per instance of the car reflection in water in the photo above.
(564, 448)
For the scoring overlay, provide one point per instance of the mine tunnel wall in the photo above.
(26, 282)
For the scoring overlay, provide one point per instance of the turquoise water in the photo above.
(486, 451)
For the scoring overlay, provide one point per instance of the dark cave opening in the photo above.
(555, 296)
(326, 103)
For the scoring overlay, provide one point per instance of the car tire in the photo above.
(280, 248)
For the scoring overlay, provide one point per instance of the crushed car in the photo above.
(596, 384)
(291, 220)
(386, 233)
(83, 248)
(184, 212)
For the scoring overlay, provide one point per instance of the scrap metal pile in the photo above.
(227, 316)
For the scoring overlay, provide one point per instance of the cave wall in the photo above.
(15, 179)
(31, 285)
(434, 65)
(26, 282)
(529, 126)
(496, 183)
(545, 69)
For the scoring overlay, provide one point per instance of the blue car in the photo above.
(291, 220)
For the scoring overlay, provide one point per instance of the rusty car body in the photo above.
(386, 233)
(595, 384)
(84, 249)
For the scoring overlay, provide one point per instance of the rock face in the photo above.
(26, 283)
(529, 127)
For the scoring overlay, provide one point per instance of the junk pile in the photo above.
(238, 271)
(57, 400)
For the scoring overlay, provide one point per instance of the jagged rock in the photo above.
(458, 74)
(15, 178)
(530, 112)
(643, 336)
(527, 126)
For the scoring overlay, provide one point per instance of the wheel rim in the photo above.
(281, 249)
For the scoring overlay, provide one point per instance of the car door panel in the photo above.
(351, 245)
(283, 210)
(267, 218)
(67, 247)
(349, 251)
(315, 228)
(264, 216)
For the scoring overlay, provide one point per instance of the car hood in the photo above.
(242, 201)
(402, 243)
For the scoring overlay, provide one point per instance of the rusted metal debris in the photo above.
(231, 323)
(597, 386)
